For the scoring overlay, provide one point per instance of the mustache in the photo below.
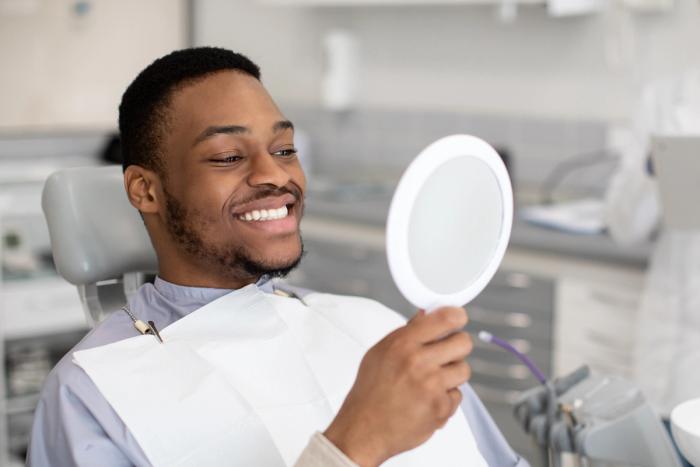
(271, 192)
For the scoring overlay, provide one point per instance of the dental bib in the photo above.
(248, 378)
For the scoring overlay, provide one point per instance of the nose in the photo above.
(265, 170)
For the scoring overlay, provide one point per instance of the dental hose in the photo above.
(488, 337)
(548, 457)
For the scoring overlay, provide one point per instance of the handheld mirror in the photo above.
(449, 222)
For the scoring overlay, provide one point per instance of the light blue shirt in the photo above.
(75, 426)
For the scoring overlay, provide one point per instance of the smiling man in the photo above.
(210, 163)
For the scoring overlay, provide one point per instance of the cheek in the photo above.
(210, 194)
(205, 208)
(297, 174)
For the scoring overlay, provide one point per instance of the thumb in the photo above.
(419, 314)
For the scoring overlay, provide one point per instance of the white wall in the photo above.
(461, 58)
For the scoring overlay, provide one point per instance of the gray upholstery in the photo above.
(96, 235)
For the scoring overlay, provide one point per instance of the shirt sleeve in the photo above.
(67, 434)
(492, 445)
(320, 452)
(75, 426)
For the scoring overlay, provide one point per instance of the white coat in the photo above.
(667, 347)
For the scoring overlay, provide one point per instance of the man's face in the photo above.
(234, 187)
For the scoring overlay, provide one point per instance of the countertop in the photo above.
(371, 209)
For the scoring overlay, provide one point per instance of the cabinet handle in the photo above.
(518, 280)
(500, 318)
(512, 280)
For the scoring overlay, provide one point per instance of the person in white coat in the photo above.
(667, 347)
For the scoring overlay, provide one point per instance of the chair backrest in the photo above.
(98, 239)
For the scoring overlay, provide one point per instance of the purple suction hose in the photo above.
(488, 337)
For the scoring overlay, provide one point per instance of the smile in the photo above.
(258, 215)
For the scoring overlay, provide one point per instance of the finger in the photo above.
(455, 374)
(420, 313)
(437, 324)
(454, 347)
(455, 398)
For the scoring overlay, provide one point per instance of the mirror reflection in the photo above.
(455, 224)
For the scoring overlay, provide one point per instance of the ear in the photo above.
(143, 187)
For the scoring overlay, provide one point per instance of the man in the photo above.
(209, 162)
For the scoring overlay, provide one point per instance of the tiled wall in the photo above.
(380, 143)
(366, 143)
(33, 157)
(50, 145)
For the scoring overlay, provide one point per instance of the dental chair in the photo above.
(98, 239)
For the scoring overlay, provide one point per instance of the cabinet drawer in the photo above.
(505, 383)
(496, 322)
(490, 353)
(518, 291)
(595, 324)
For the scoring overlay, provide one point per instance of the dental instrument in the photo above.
(141, 326)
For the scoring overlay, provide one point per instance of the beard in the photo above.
(235, 261)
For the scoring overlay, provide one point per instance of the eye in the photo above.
(226, 159)
(286, 153)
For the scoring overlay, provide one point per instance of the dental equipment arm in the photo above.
(600, 418)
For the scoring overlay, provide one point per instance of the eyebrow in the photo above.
(282, 125)
(238, 130)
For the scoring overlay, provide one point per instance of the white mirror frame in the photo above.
(410, 185)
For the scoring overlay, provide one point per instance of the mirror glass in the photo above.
(449, 222)
(455, 224)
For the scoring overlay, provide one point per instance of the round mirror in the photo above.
(449, 222)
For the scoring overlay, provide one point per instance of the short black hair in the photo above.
(143, 112)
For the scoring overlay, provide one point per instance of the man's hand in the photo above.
(406, 388)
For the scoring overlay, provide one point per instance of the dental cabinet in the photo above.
(561, 309)
(41, 317)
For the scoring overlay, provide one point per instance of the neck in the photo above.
(197, 280)
(177, 271)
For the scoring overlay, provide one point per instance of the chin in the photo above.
(278, 253)
(276, 264)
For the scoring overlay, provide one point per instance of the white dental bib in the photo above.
(248, 379)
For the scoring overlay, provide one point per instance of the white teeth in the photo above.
(265, 214)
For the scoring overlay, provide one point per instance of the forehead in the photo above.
(222, 98)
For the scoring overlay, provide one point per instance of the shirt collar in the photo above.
(203, 295)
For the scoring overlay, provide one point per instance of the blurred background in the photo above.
(568, 91)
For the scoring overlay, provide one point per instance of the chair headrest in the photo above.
(96, 234)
